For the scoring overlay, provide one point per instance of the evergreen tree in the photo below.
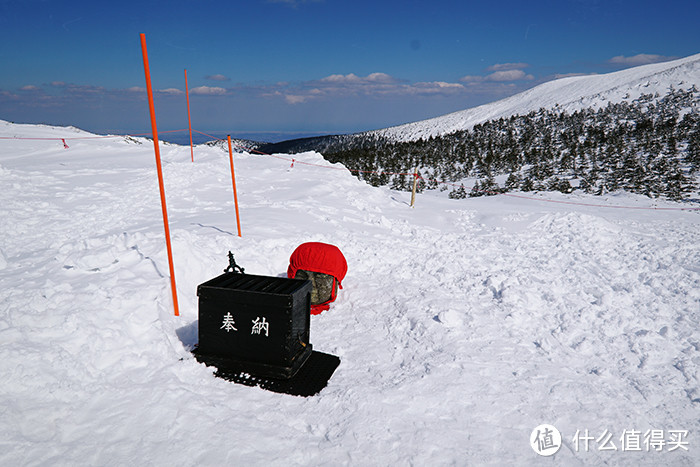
(459, 193)
(476, 190)
(513, 181)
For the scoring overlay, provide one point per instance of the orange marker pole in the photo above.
(189, 119)
(233, 180)
(154, 127)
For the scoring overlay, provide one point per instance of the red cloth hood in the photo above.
(318, 257)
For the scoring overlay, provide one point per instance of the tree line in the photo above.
(649, 145)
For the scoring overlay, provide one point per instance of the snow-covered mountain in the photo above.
(569, 94)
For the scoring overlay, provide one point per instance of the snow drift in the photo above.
(463, 324)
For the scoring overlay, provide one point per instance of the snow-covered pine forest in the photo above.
(650, 146)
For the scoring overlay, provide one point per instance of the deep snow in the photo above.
(463, 324)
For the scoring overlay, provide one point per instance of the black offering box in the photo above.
(255, 330)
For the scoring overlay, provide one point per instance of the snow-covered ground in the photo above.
(463, 324)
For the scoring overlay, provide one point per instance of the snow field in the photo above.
(462, 325)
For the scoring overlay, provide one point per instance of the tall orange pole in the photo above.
(189, 119)
(233, 180)
(154, 127)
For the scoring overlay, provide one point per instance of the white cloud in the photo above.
(218, 78)
(294, 99)
(352, 84)
(498, 77)
(639, 59)
(8, 95)
(208, 91)
(380, 78)
(352, 78)
(472, 79)
(340, 79)
(437, 87)
(168, 91)
(29, 87)
(507, 66)
(85, 89)
(171, 91)
(509, 75)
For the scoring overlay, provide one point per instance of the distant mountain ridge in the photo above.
(566, 94)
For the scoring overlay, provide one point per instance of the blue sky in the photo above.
(312, 66)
